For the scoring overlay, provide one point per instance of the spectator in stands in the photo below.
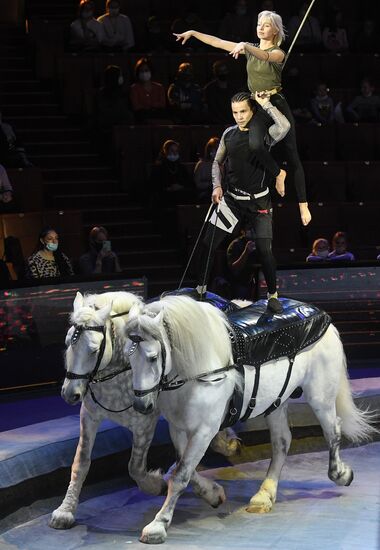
(334, 35)
(170, 183)
(6, 192)
(366, 40)
(241, 258)
(48, 260)
(158, 39)
(111, 106)
(203, 171)
(86, 33)
(365, 107)
(117, 28)
(297, 96)
(322, 105)
(339, 248)
(100, 258)
(310, 37)
(236, 25)
(12, 152)
(185, 96)
(148, 98)
(218, 93)
(320, 251)
(191, 20)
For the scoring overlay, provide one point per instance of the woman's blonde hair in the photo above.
(316, 243)
(276, 22)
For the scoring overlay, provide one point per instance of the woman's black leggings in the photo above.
(256, 141)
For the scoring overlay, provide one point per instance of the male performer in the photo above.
(247, 197)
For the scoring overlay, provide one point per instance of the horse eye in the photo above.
(93, 352)
(152, 359)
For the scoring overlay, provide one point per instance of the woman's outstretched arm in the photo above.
(208, 39)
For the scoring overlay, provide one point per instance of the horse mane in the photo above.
(121, 302)
(197, 333)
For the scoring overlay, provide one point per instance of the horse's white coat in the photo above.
(196, 341)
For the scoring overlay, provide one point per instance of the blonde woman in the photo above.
(264, 68)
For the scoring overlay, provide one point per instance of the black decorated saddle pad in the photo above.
(259, 336)
(217, 301)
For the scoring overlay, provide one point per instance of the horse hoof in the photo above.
(156, 536)
(221, 500)
(349, 481)
(258, 509)
(61, 520)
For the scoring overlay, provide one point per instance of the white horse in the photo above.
(178, 338)
(97, 375)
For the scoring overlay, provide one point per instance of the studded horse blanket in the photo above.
(259, 336)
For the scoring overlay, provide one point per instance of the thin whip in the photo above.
(298, 31)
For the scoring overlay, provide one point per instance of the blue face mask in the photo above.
(51, 246)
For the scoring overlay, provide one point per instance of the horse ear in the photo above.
(105, 312)
(78, 301)
(158, 319)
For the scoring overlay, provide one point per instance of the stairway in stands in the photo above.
(73, 175)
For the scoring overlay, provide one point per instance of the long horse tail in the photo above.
(358, 425)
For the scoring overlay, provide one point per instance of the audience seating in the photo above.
(363, 181)
(326, 181)
(27, 187)
(356, 141)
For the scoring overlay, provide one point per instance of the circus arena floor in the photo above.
(310, 513)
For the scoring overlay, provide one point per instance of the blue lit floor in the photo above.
(310, 513)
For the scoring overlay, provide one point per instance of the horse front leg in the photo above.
(151, 481)
(64, 516)
(263, 501)
(156, 531)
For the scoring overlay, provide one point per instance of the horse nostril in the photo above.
(76, 397)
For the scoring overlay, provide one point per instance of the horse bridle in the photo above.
(136, 339)
(90, 376)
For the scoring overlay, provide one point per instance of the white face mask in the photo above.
(145, 76)
(323, 253)
(173, 157)
(120, 80)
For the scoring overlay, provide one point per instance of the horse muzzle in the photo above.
(144, 405)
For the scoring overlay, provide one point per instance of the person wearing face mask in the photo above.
(237, 25)
(86, 33)
(48, 260)
(148, 98)
(322, 105)
(320, 251)
(339, 248)
(185, 97)
(203, 169)
(100, 258)
(117, 28)
(217, 94)
(170, 182)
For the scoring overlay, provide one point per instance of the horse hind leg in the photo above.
(263, 501)
(339, 472)
(226, 442)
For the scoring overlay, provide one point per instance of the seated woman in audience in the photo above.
(6, 192)
(100, 258)
(203, 171)
(12, 152)
(117, 28)
(320, 251)
(322, 105)
(366, 106)
(339, 248)
(148, 98)
(48, 260)
(334, 35)
(169, 181)
(185, 97)
(86, 33)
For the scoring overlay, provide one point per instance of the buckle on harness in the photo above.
(233, 411)
(277, 403)
(252, 403)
